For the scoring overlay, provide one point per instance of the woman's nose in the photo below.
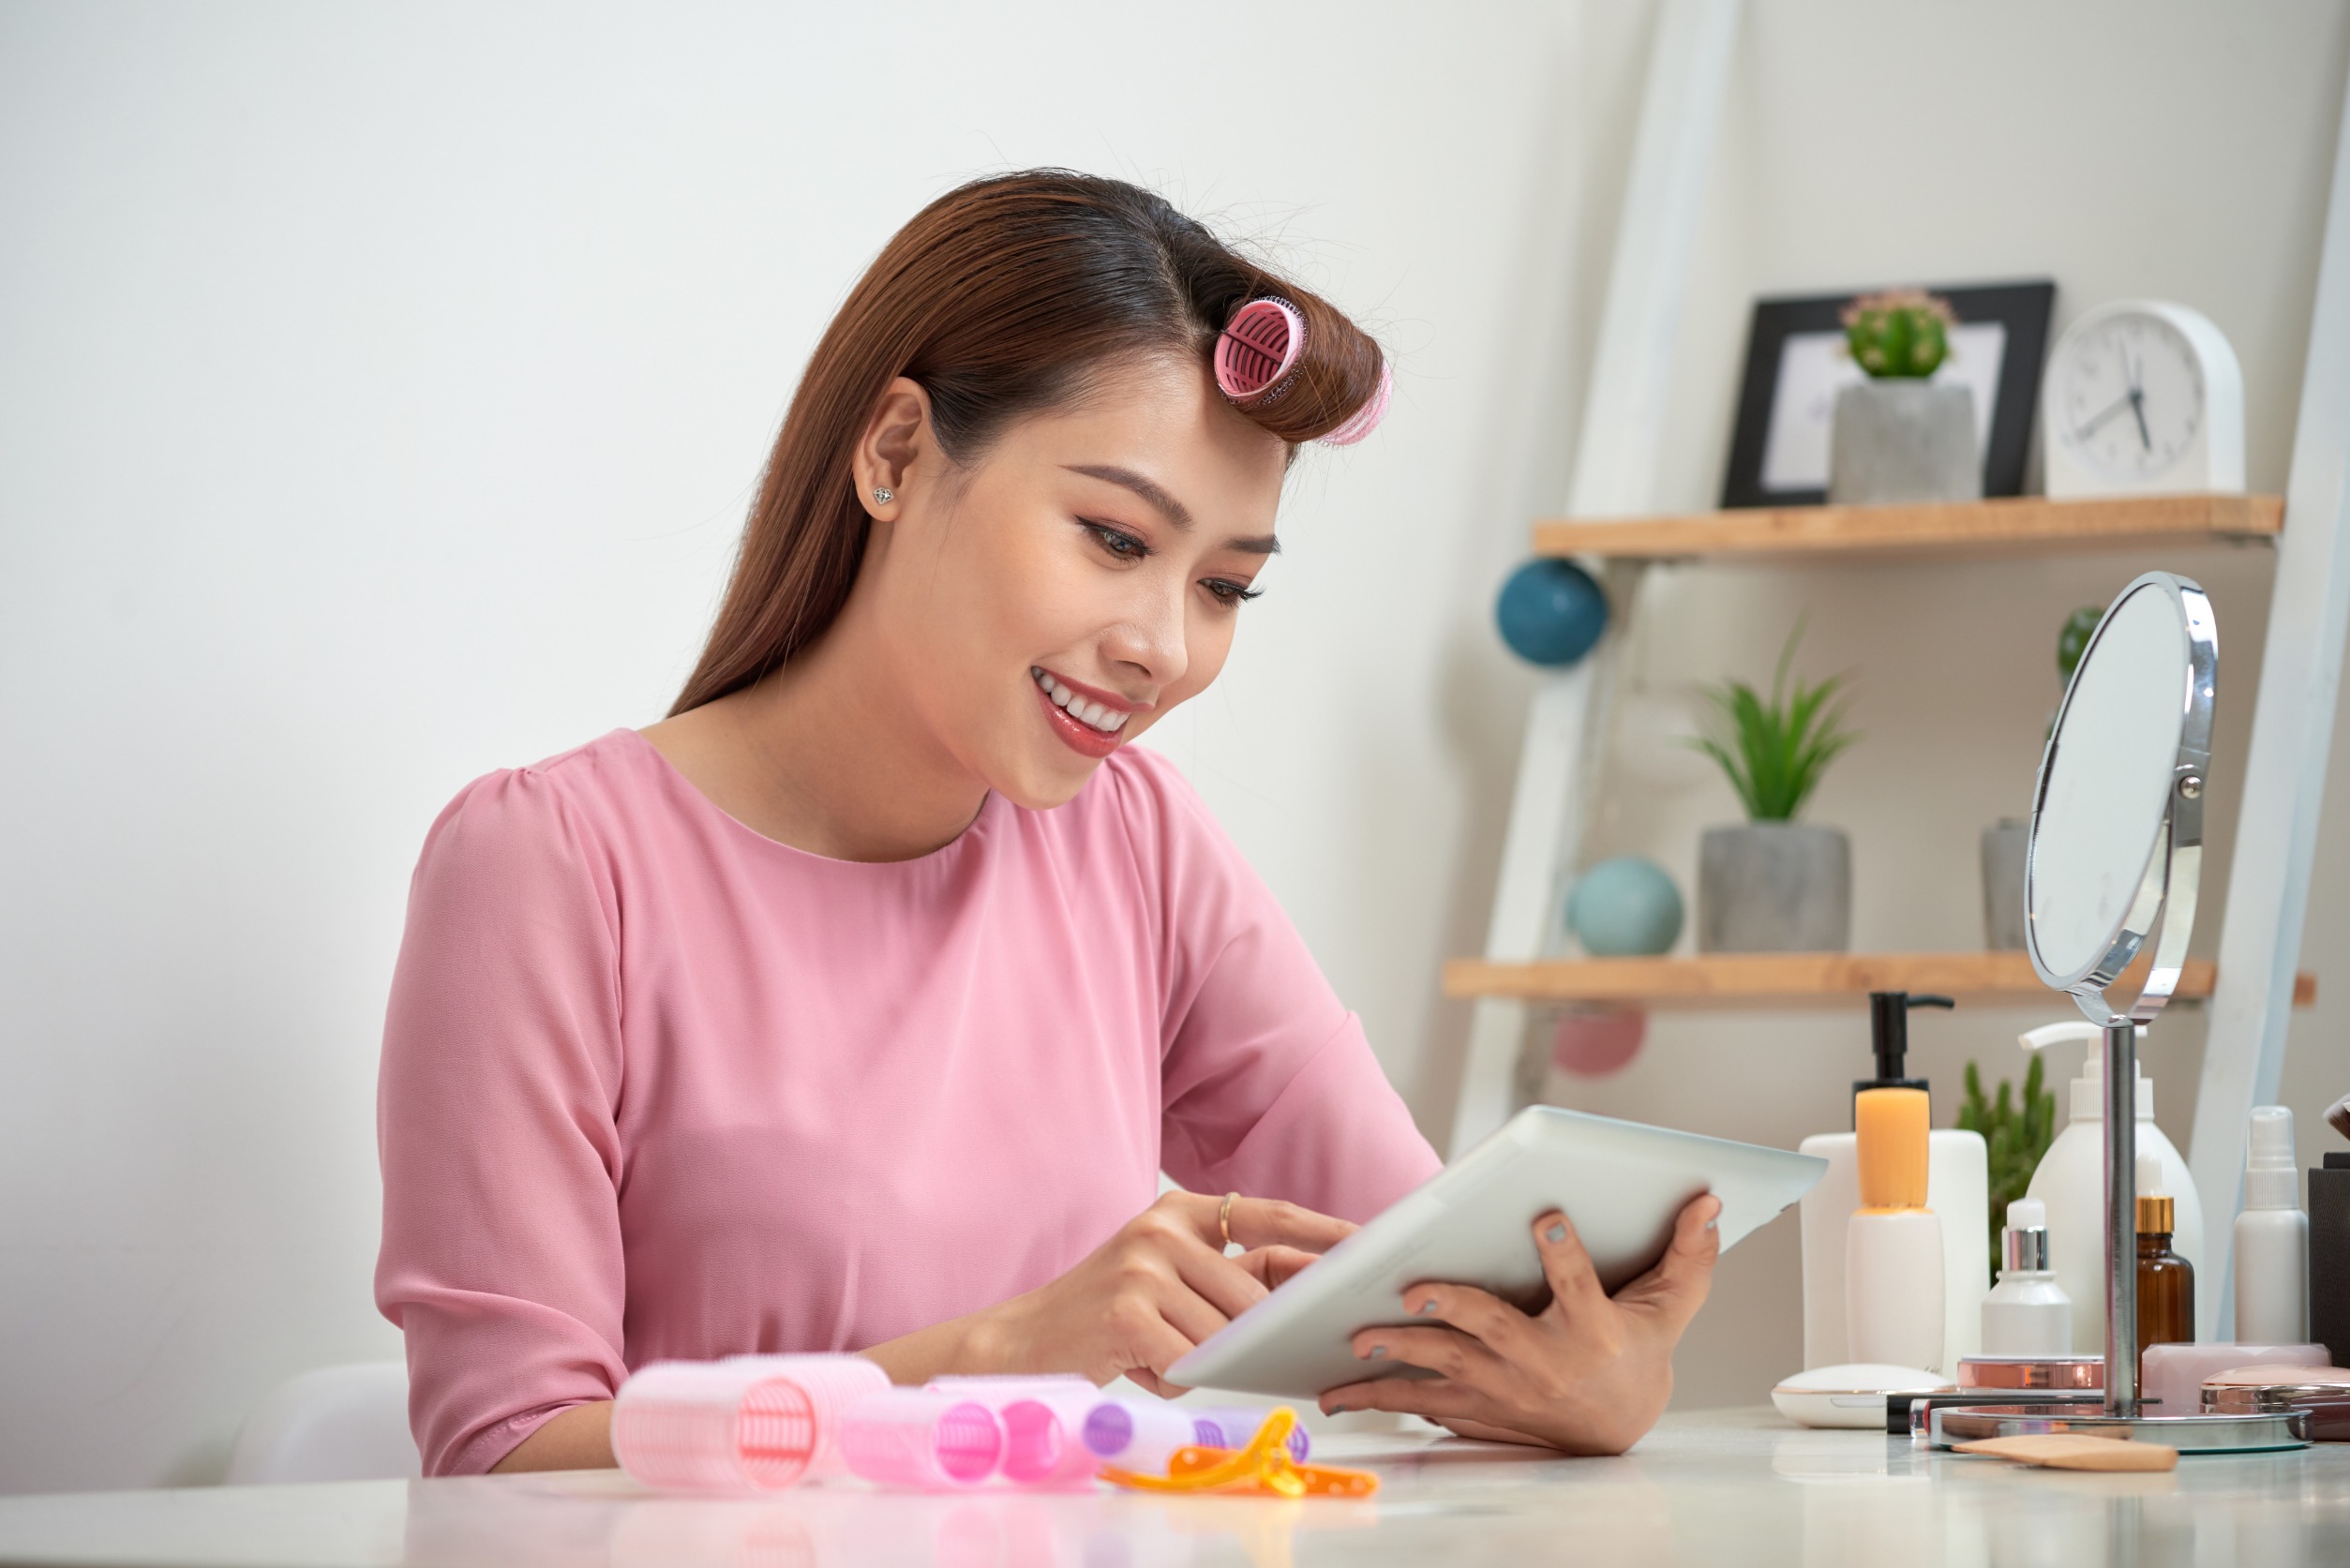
(1151, 639)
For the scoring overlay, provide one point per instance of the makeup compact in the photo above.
(2321, 1394)
(1851, 1395)
(2064, 1373)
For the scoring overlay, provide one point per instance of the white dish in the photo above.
(1472, 1223)
(1851, 1396)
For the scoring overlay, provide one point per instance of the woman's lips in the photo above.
(1086, 722)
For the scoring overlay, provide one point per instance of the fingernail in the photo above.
(1377, 1353)
(1426, 1308)
(1555, 1233)
(1715, 1223)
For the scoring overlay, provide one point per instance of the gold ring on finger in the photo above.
(1224, 1217)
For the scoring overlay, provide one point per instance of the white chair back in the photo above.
(347, 1423)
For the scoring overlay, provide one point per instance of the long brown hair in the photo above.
(1000, 298)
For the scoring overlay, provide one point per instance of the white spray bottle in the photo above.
(2071, 1182)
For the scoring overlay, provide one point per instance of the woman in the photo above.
(857, 1005)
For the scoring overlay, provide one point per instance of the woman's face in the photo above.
(1050, 603)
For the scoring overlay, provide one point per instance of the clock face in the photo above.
(2130, 396)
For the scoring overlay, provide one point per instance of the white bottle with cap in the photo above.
(2071, 1182)
(2271, 1237)
(2027, 1312)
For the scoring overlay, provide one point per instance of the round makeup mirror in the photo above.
(2117, 830)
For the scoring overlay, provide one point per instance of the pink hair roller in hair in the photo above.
(1363, 421)
(1262, 343)
(914, 1437)
(1259, 346)
(753, 1423)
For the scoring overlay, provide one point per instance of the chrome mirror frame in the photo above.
(2168, 886)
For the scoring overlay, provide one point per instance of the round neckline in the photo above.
(675, 780)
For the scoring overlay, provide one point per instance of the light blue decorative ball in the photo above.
(1550, 612)
(1625, 908)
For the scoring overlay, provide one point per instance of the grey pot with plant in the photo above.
(1772, 884)
(1900, 436)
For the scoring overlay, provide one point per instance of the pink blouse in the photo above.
(655, 1086)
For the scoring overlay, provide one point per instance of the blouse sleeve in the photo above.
(1270, 1088)
(502, 1259)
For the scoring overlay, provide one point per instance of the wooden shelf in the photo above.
(1787, 980)
(2010, 525)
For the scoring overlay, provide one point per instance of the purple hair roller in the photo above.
(1136, 1434)
(1233, 1426)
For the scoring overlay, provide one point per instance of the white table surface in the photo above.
(1739, 1487)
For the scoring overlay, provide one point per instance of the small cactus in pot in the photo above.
(1900, 436)
(1899, 333)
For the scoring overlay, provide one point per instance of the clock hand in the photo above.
(2137, 406)
(2124, 401)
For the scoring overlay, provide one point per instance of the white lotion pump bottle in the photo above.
(2271, 1237)
(2027, 1312)
(1958, 1182)
(2071, 1182)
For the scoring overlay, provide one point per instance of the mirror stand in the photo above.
(2121, 1219)
(2097, 899)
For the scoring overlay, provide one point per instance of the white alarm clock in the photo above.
(2143, 397)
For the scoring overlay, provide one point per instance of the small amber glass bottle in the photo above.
(2166, 1281)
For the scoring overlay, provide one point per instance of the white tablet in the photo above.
(1472, 1223)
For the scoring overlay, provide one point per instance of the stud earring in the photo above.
(882, 497)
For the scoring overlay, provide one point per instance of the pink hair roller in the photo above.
(1363, 421)
(915, 1437)
(1259, 346)
(1044, 1420)
(833, 1385)
(753, 1424)
(1262, 344)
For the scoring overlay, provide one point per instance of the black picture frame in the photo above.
(2024, 309)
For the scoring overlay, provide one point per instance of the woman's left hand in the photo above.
(1588, 1374)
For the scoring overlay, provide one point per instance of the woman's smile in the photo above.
(1088, 721)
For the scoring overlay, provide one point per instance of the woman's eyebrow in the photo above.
(1110, 473)
(1172, 510)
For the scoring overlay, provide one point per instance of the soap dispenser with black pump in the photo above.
(1957, 1192)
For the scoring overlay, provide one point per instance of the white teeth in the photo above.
(1093, 715)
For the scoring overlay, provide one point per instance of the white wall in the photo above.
(380, 390)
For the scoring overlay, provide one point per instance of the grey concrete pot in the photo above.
(2003, 845)
(1775, 888)
(1903, 440)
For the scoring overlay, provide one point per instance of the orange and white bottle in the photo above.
(1893, 1247)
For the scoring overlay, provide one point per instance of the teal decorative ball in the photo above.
(1625, 908)
(1551, 613)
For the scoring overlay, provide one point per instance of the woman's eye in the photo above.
(1228, 592)
(1117, 541)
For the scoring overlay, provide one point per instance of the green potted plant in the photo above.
(1772, 884)
(1900, 436)
(2015, 1132)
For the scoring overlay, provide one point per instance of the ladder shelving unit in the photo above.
(1612, 521)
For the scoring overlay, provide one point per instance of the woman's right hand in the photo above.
(1135, 1306)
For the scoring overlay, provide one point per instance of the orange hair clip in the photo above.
(1263, 1469)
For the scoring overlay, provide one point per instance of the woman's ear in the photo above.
(890, 454)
